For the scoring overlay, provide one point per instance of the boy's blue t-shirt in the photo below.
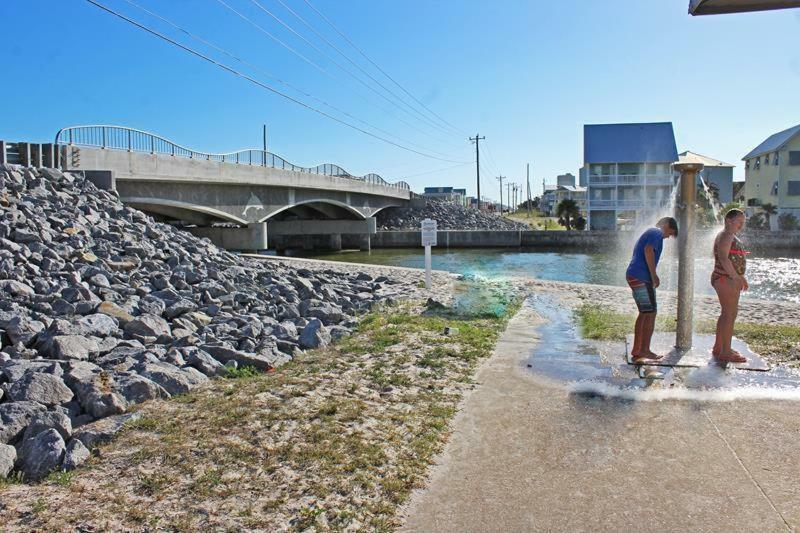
(638, 266)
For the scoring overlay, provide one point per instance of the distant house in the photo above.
(448, 194)
(715, 173)
(547, 204)
(555, 195)
(628, 171)
(566, 180)
(772, 172)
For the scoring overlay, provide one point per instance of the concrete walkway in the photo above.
(526, 455)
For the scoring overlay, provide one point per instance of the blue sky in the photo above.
(526, 74)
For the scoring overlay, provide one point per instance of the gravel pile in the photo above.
(102, 308)
(447, 215)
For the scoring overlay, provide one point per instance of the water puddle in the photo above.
(563, 359)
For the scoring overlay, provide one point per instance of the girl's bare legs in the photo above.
(728, 294)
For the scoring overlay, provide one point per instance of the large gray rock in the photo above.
(73, 347)
(98, 325)
(92, 387)
(40, 387)
(173, 379)
(14, 369)
(41, 454)
(49, 420)
(148, 325)
(102, 431)
(314, 335)
(76, 455)
(225, 354)
(15, 417)
(203, 361)
(137, 389)
(8, 456)
(15, 288)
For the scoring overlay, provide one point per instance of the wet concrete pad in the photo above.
(699, 355)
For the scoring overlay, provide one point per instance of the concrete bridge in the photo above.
(266, 199)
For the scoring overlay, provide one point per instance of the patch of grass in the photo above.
(242, 372)
(39, 506)
(782, 343)
(60, 478)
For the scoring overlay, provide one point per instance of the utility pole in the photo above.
(508, 194)
(500, 179)
(477, 140)
(528, 180)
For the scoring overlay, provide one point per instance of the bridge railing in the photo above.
(132, 140)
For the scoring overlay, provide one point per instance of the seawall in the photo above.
(755, 240)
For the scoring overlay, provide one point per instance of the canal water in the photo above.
(771, 277)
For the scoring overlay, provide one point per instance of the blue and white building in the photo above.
(627, 170)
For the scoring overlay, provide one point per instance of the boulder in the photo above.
(75, 455)
(8, 456)
(46, 389)
(41, 454)
(49, 420)
(15, 417)
(314, 335)
(73, 347)
(102, 431)
(173, 379)
(148, 325)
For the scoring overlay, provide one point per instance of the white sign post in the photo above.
(428, 240)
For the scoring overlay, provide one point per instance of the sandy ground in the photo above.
(528, 456)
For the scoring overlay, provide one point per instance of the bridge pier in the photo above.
(366, 243)
(336, 242)
(250, 238)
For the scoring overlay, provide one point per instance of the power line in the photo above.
(260, 84)
(351, 43)
(279, 80)
(437, 170)
(317, 66)
(329, 58)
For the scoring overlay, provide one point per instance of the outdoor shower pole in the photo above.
(686, 238)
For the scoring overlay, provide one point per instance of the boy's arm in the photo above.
(650, 258)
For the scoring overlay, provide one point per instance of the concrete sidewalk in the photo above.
(528, 456)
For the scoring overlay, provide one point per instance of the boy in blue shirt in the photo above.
(643, 280)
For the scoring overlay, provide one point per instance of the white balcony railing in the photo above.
(631, 179)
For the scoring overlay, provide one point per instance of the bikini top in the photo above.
(737, 255)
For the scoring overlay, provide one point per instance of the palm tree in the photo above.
(567, 211)
(769, 210)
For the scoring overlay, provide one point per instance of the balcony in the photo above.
(630, 179)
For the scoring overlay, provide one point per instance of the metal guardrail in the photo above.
(133, 140)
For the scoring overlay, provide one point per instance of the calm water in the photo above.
(769, 277)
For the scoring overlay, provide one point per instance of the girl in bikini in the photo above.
(729, 281)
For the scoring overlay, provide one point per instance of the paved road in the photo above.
(527, 456)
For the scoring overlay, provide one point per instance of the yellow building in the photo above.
(772, 172)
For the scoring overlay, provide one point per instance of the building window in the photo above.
(794, 188)
(775, 159)
(794, 158)
(758, 163)
(747, 164)
(774, 191)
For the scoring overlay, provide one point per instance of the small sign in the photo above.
(428, 232)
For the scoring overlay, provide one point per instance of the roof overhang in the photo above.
(718, 7)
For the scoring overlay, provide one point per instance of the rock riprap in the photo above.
(101, 308)
(448, 215)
